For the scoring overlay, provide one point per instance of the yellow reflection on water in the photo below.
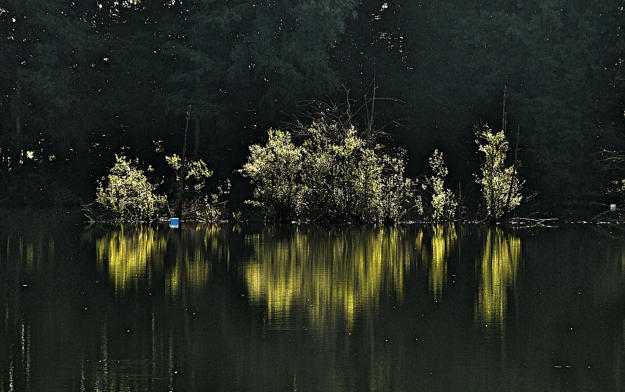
(444, 239)
(137, 254)
(30, 251)
(497, 270)
(332, 275)
(130, 253)
(200, 246)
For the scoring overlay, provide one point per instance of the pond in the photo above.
(303, 308)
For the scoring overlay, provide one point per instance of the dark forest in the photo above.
(81, 81)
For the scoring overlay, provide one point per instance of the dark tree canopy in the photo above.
(81, 81)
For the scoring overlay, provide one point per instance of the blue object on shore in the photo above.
(174, 223)
(612, 207)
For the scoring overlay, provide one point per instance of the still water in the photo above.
(287, 308)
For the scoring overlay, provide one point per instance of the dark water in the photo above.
(253, 308)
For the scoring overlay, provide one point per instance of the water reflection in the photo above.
(332, 275)
(443, 242)
(130, 255)
(20, 257)
(197, 248)
(137, 255)
(497, 273)
(76, 315)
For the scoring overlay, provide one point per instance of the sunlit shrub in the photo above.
(275, 170)
(196, 204)
(443, 203)
(208, 208)
(127, 194)
(501, 187)
(334, 175)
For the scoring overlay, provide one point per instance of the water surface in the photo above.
(288, 308)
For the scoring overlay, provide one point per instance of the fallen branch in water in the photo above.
(617, 216)
(543, 222)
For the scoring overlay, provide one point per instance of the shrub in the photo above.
(334, 175)
(275, 170)
(501, 187)
(127, 194)
(196, 205)
(443, 201)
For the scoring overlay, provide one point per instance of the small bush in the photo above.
(443, 203)
(196, 204)
(127, 194)
(275, 170)
(501, 187)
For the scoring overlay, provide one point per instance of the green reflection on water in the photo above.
(497, 273)
(334, 275)
(443, 241)
(62, 328)
(130, 255)
(137, 254)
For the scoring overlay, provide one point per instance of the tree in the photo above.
(127, 194)
(333, 176)
(443, 202)
(559, 59)
(501, 187)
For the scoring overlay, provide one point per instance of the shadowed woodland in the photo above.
(83, 81)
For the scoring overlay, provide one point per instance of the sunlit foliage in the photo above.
(274, 170)
(127, 194)
(501, 187)
(197, 205)
(334, 175)
(443, 202)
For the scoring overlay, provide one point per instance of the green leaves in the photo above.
(443, 201)
(333, 176)
(127, 193)
(501, 187)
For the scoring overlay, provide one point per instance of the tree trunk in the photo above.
(196, 138)
(17, 113)
(514, 165)
(182, 172)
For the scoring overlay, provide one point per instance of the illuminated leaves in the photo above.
(333, 176)
(501, 187)
(443, 201)
(127, 193)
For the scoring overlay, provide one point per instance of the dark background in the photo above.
(83, 80)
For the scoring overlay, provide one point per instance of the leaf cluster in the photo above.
(127, 194)
(443, 202)
(501, 187)
(334, 175)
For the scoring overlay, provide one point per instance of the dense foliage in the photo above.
(128, 195)
(501, 186)
(125, 194)
(443, 202)
(191, 177)
(334, 175)
(80, 81)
